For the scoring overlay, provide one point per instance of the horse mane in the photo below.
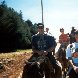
(37, 68)
(31, 70)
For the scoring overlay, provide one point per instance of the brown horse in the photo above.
(38, 69)
(31, 70)
(61, 57)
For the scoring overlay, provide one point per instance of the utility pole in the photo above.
(42, 10)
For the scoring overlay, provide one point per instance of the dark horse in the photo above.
(39, 68)
(61, 57)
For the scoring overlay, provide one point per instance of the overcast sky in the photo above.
(57, 13)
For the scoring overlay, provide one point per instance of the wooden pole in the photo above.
(42, 11)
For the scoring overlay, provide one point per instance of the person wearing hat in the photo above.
(72, 56)
(72, 35)
(63, 38)
(43, 44)
(73, 30)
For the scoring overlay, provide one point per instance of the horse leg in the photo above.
(49, 74)
(58, 72)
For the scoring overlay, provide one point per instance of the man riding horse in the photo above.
(72, 56)
(72, 35)
(61, 53)
(42, 45)
(63, 38)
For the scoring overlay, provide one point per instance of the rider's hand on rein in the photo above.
(44, 53)
(76, 69)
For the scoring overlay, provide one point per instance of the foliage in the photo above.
(15, 33)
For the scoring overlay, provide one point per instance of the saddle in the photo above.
(42, 64)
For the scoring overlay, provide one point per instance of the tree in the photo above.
(15, 33)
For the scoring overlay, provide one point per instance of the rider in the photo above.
(73, 31)
(72, 56)
(63, 38)
(64, 41)
(61, 52)
(48, 33)
(42, 44)
(72, 35)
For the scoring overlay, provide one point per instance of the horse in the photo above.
(61, 57)
(39, 68)
(31, 70)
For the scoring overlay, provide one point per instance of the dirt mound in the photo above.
(13, 66)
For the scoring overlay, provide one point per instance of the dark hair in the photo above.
(72, 27)
(40, 24)
(61, 29)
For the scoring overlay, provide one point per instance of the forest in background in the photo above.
(15, 33)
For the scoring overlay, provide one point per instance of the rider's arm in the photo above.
(50, 49)
(35, 50)
(68, 52)
(69, 57)
(60, 39)
(72, 64)
(34, 45)
(68, 38)
(51, 44)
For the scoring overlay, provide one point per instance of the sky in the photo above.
(56, 13)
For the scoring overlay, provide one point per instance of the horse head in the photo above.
(36, 68)
(31, 70)
(46, 68)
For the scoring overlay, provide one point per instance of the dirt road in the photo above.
(13, 65)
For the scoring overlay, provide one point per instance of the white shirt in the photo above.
(69, 52)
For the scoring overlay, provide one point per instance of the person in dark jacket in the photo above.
(43, 44)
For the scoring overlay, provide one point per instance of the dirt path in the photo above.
(13, 65)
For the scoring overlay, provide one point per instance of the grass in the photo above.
(13, 54)
(27, 50)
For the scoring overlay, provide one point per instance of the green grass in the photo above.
(13, 54)
(27, 50)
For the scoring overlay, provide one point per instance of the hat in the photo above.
(76, 32)
(40, 25)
